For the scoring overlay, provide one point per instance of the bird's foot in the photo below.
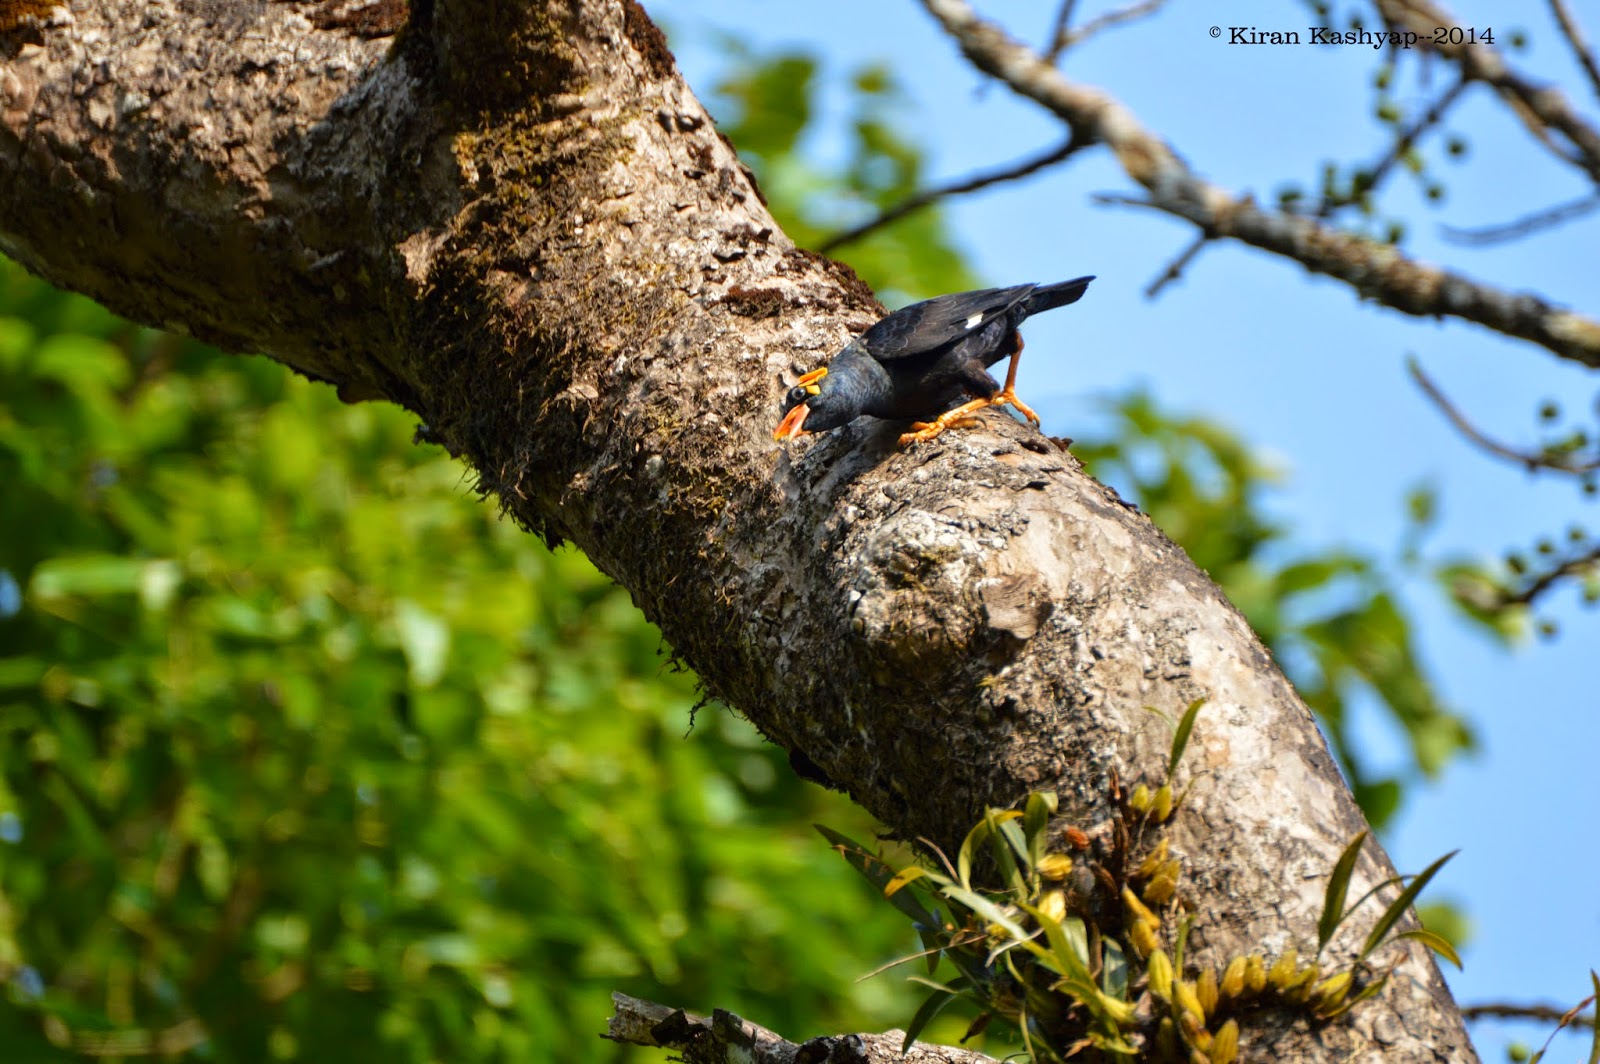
(927, 430)
(1008, 397)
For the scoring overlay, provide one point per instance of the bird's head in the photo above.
(816, 404)
(827, 398)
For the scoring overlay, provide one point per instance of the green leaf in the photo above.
(91, 575)
(988, 910)
(1069, 953)
(931, 1006)
(1009, 845)
(1398, 907)
(1041, 805)
(1333, 911)
(1180, 738)
(968, 851)
(878, 873)
(425, 638)
(1434, 941)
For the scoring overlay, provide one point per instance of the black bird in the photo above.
(915, 362)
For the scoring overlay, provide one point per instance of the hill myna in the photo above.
(914, 363)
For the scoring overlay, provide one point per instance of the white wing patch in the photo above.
(973, 321)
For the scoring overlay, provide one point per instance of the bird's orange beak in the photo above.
(789, 427)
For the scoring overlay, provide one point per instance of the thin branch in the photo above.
(1579, 563)
(1533, 461)
(1374, 269)
(1580, 46)
(1176, 267)
(1408, 137)
(1065, 38)
(1524, 226)
(927, 197)
(1502, 1010)
(1058, 32)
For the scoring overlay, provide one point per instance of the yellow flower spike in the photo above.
(1140, 799)
(1206, 989)
(1189, 1026)
(1298, 991)
(1166, 1040)
(1153, 862)
(1162, 805)
(1331, 991)
(1055, 866)
(1054, 905)
(1144, 940)
(1201, 1042)
(1183, 994)
(1117, 1011)
(1199, 1056)
(1255, 973)
(1159, 969)
(1137, 911)
(1161, 889)
(1233, 979)
(1225, 1045)
(1282, 973)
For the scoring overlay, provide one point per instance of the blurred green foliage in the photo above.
(304, 753)
(768, 105)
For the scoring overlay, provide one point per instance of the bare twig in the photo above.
(1533, 461)
(1380, 170)
(1376, 270)
(1578, 563)
(1501, 1010)
(1524, 226)
(1580, 47)
(1058, 31)
(933, 195)
(1065, 38)
(1176, 267)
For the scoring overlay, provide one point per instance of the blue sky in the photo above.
(1305, 372)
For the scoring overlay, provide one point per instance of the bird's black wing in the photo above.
(935, 323)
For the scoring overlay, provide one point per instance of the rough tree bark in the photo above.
(515, 219)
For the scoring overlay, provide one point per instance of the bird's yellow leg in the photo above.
(927, 430)
(1008, 394)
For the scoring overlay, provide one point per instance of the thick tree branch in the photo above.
(1376, 270)
(517, 220)
(728, 1039)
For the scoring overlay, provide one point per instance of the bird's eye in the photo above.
(797, 395)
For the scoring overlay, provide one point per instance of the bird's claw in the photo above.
(927, 430)
(1009, 397)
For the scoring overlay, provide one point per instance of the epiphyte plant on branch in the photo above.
(1077, 938)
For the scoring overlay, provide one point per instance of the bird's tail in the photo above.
(1051, 296)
